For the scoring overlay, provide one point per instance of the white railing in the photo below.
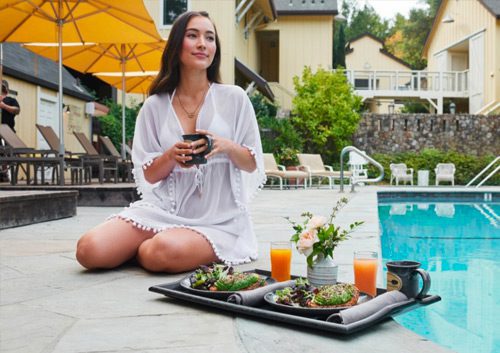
(492, 164)
(409, 81)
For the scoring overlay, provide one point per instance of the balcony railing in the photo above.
(447, 83)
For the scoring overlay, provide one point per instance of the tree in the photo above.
(339, 52)
(365, 20)
(326, 111)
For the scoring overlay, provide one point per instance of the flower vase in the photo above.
(323, 272)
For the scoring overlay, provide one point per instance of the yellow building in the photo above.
(465, 36)
(367, 56)
(33, 82)
(265, 43)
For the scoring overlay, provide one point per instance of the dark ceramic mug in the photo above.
(403, 276)
(198, 158)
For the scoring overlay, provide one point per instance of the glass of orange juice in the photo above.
(281, 258)
(365, 271)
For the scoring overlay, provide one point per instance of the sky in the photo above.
(387, 9)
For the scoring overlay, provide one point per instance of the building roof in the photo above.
(382, 50)
(306, 7)
(22, 64)
(493, 6)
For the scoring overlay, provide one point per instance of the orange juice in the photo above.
(280, 264)
(365, 275)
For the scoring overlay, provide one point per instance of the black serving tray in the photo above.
(265, 311)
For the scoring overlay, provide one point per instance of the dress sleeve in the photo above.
(247, 134)
(146, 147)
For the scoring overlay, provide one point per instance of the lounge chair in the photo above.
(274, 170)
(400, 172)
(313, 165)
(17, 155)
(105, 163)
(124, 165)
(80, 167)
(445, 172)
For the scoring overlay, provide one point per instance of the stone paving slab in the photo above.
(49, 304)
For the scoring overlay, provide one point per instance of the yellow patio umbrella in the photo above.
(135, 82)
(75, 21)
(118, 59)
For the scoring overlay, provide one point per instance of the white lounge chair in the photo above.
(274, 170)
(445, 172)
(400, 172)
(313, 165)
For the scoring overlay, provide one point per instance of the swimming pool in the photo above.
(457, 239)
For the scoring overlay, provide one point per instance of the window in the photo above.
(172, 9)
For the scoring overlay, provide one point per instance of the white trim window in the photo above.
(171, 9)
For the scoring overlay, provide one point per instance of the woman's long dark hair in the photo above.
(168, 78)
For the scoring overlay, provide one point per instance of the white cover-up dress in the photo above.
(210, 199)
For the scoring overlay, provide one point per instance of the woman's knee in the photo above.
(161, 254)
(86, 250)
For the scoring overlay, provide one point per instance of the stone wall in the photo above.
(470, 134)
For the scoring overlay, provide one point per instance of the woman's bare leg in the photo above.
(175, 250)
(110, 244)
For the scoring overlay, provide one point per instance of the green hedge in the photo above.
(467, 167)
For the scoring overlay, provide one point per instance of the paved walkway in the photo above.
(49, 304)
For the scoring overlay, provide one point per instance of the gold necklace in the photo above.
(195, 112)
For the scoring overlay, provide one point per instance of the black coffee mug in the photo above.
(403, 276)
(198, 158)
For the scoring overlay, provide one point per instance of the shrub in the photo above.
(467, 166)
(326, 112)
(111, 124)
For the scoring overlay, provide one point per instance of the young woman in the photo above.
(187, 215)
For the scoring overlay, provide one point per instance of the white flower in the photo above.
(306, 241)
(316, 222)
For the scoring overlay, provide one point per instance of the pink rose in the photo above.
(316, 222)
(306, 241)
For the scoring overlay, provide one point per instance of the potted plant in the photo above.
(317, 237)
(288, 157)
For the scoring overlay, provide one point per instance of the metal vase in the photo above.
(323, 272)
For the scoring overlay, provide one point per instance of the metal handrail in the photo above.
(484, 171)
(358, 181)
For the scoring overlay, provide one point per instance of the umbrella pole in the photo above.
(60, 100)
(123, 102)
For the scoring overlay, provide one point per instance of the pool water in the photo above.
(458, 243)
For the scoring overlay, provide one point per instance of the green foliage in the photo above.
(414, 107)
(339, 46)
(262, 106)
(467, 166)
(364, 20)
(319, 236)
(111, 124)
(326, 112)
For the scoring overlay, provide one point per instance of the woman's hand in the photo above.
(239, 155)
(181, 152)
(219, 144)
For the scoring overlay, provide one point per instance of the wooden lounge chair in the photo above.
(18, 156)
(445, 172)
(274, 170)
(105, 163)
(79, 166)
(124, 165)
(313, 165)
(400, 172)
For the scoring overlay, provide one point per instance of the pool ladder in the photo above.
(355, 181)
(484, 171)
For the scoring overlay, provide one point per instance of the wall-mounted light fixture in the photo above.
(452, 108)
(340, 18)
(447, 19)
